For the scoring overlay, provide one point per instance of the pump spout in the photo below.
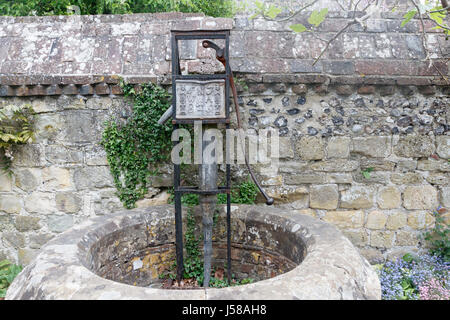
(166, 116)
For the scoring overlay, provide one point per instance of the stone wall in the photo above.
(370, 103)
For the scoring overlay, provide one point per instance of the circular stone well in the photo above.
(121, 255)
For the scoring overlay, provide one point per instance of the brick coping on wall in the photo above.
(87, 55)
(85, 85)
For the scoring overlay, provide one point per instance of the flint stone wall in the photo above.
(370, 103)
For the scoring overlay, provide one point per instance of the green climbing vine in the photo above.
(132, 147)
(244, 193)
(16, 127)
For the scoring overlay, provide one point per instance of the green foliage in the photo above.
(8, 272)
(241, 82)
(245, 193)
(432, 10)
(222, 283)
(193, 264)
(408, 16)
(131, 148)
(317, 17)
(16, 127)
(215, 8)
(273, 11)
(298, 28)
(439, 236)
(366, 172)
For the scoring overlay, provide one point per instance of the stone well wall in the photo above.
(370, 103)
(140, 254)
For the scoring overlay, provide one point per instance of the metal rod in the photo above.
(176, 176)
(208, 181)
(228, 186)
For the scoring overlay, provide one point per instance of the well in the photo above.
(121, 255)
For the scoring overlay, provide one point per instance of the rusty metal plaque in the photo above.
(197, 99)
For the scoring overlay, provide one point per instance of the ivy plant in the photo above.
(132, 148)
(439, 236)
(16, 127)
(8, 271)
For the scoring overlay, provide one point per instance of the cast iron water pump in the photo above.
(203, 98)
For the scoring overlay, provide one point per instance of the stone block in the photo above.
(372, 146)
(441, 179)
(29, 155)
(357, 197)
(339, 178)
(345, 219)
(407, 178)
(389, 198)
(377, 164)
(68, 202)
(28, 179)
(96, 156)
(382, 239)
(445, 197)
(324, 196)
(414, 146)
(358, 238)
(420, 197)
(443, 146)
(306, 178)
(308, 212)
(406, 238)
(62, 155)
(15, 239)
(92, 177)
(27, 223)
(272, 181)
(433, 165)
(338, 165)
(56, 178)
(372, 255)
(38, 240)
(59, 223)
(407, 165)
(5, 182)
(396, 220)
(160, 199)
(344, 90)
(376, 220)
(40, 202)
(288, 194)
(420, 220)
(10, 203)
(81, 126)
(338, 147)
(310, 148)
(299, 89)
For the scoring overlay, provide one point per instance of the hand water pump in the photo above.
(204, 98)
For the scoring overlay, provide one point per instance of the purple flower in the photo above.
(403, 278)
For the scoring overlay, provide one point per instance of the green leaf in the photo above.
(317, 17)
(438, 17)
(408, 16)
(408, 257)
(273, 11)
(4, 264)
(298, 28)
(259, 5)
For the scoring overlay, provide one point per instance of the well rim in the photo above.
(331, 269)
